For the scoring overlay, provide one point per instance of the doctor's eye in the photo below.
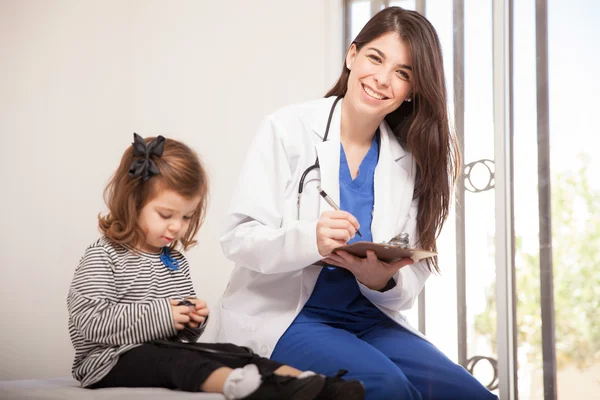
(403, 75)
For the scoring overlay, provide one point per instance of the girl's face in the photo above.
(380, 75)
(165, 219)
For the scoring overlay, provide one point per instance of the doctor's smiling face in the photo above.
(381, 75)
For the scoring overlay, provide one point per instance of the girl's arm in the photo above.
(96, 314)
(190, 334)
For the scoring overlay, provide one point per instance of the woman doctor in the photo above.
(379, 144)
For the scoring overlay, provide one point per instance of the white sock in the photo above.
(241, 382)
(305, 374)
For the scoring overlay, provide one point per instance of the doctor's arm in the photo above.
(403, 290)
(406, 284)
(255, 236)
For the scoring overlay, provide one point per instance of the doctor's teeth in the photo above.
(373, 94)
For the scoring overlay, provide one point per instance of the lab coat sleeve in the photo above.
(255, 235)
(409, 283)
(409, 279)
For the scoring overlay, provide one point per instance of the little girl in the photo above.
(133, 316)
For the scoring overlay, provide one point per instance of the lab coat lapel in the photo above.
(329, 152)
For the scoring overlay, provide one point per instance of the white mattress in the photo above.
(69, 389)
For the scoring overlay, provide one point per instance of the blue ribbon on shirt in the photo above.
(168, 260)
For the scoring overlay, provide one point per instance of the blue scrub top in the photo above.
(336, 296)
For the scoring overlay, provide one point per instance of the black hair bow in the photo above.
(146, 167)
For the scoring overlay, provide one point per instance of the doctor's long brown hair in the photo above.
(422, 125)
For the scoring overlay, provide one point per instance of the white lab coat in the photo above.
(274, 250)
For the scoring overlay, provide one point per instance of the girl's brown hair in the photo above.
(179, 169)
(422, 125)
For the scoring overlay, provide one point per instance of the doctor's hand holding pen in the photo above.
(334, 229)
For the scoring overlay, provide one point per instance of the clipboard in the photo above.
(385, 252)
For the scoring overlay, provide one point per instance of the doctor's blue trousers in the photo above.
(391, 362)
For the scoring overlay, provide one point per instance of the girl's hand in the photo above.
(334, 229)
(369, 271)
(199, 313)
(181, 314)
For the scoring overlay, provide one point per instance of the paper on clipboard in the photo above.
(384, 251)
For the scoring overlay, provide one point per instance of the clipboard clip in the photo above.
(400, 240)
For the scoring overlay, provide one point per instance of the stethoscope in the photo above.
(316, 164)
(197, 346)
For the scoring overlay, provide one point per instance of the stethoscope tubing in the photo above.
(316, 164)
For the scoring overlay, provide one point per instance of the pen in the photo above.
(332, 204)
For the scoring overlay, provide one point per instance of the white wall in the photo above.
(77, 78)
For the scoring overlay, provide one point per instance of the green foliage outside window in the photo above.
(576, 261)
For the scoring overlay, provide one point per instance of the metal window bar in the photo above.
(420, 6)
(458, 18)
(422, 305)
(545, 218)
(377, 5)
(347, 27)
(504, 240)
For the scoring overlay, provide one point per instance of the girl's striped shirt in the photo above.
(119, 299)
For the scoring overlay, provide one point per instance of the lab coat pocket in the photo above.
(238, 328)
(408, 222)
(413, 210)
